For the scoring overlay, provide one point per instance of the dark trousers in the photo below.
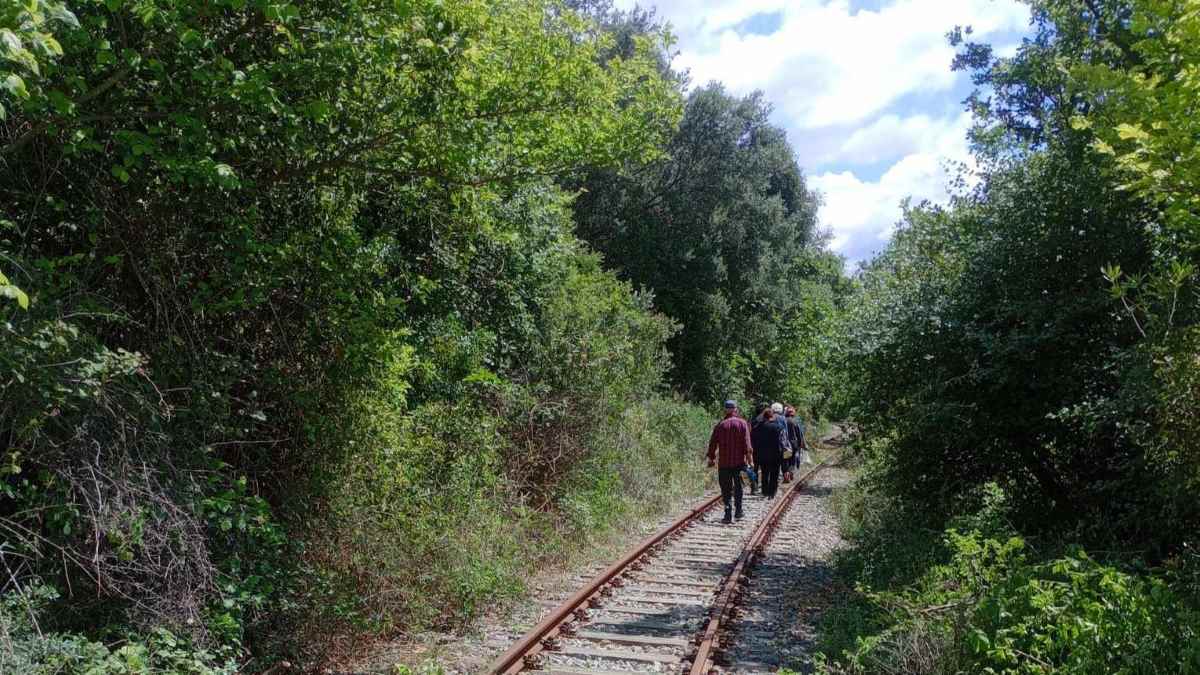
(768, 473)
(731, 486)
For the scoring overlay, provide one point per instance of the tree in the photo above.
(718, 229)
(235, 222)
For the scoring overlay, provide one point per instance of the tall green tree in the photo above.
(720, 229)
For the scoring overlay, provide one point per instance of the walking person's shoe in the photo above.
(727, 519)
(739, 515)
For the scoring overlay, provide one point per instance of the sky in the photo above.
(863, 88)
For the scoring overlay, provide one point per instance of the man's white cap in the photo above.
(777, 408)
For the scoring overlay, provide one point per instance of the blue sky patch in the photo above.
(763, 23)
(867, 5)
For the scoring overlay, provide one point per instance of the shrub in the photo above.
(994, 608)
(29, 649)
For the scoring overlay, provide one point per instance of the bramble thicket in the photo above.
(330, 321)
(300, 343)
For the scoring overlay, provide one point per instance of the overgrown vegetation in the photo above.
(1023, 365)
(724, 230)
(300, 344)
(332, 320)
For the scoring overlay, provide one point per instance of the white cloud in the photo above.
(829, 65)
(891, 137)
(862, 214)
(855, 88)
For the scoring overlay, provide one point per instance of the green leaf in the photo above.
(318, 110)
(50, 45)
(9, 41)
(1131, 132)
(10, 291)
(14, 85)
(61, 13)
(62, 104)
(226, 177)
(15, 51)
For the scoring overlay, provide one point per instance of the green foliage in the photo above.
(29, 649)
(301, 299)
(723, 230)
(978, 598)
(10, 291)
(1142, 114)
(991, 609)
(1036, 342)
(987, 347)
(27, 46)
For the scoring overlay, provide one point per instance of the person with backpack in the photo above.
(795, 429)
(785, 463)
(769, 439)
(730, 450)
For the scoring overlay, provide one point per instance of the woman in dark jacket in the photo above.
(754, 421)
(769, 439)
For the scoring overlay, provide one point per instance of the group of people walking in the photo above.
(771, 443)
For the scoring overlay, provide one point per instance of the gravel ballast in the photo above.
(790, 586)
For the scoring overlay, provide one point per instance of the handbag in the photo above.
(787, 454)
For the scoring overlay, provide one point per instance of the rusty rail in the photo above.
(702, 663)
(513, 661)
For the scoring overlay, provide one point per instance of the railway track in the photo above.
(662, 608)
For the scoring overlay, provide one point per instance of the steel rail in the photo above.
(702, 663)
(513, 661)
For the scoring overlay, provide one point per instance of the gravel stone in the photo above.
(791, 584)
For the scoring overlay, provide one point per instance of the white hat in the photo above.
(777, 408)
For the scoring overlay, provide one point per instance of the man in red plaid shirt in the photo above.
(731, 437)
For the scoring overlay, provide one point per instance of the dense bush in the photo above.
(30, 649)
(295, 322)
(987, 336)
(1034, 343)
(980, 599)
